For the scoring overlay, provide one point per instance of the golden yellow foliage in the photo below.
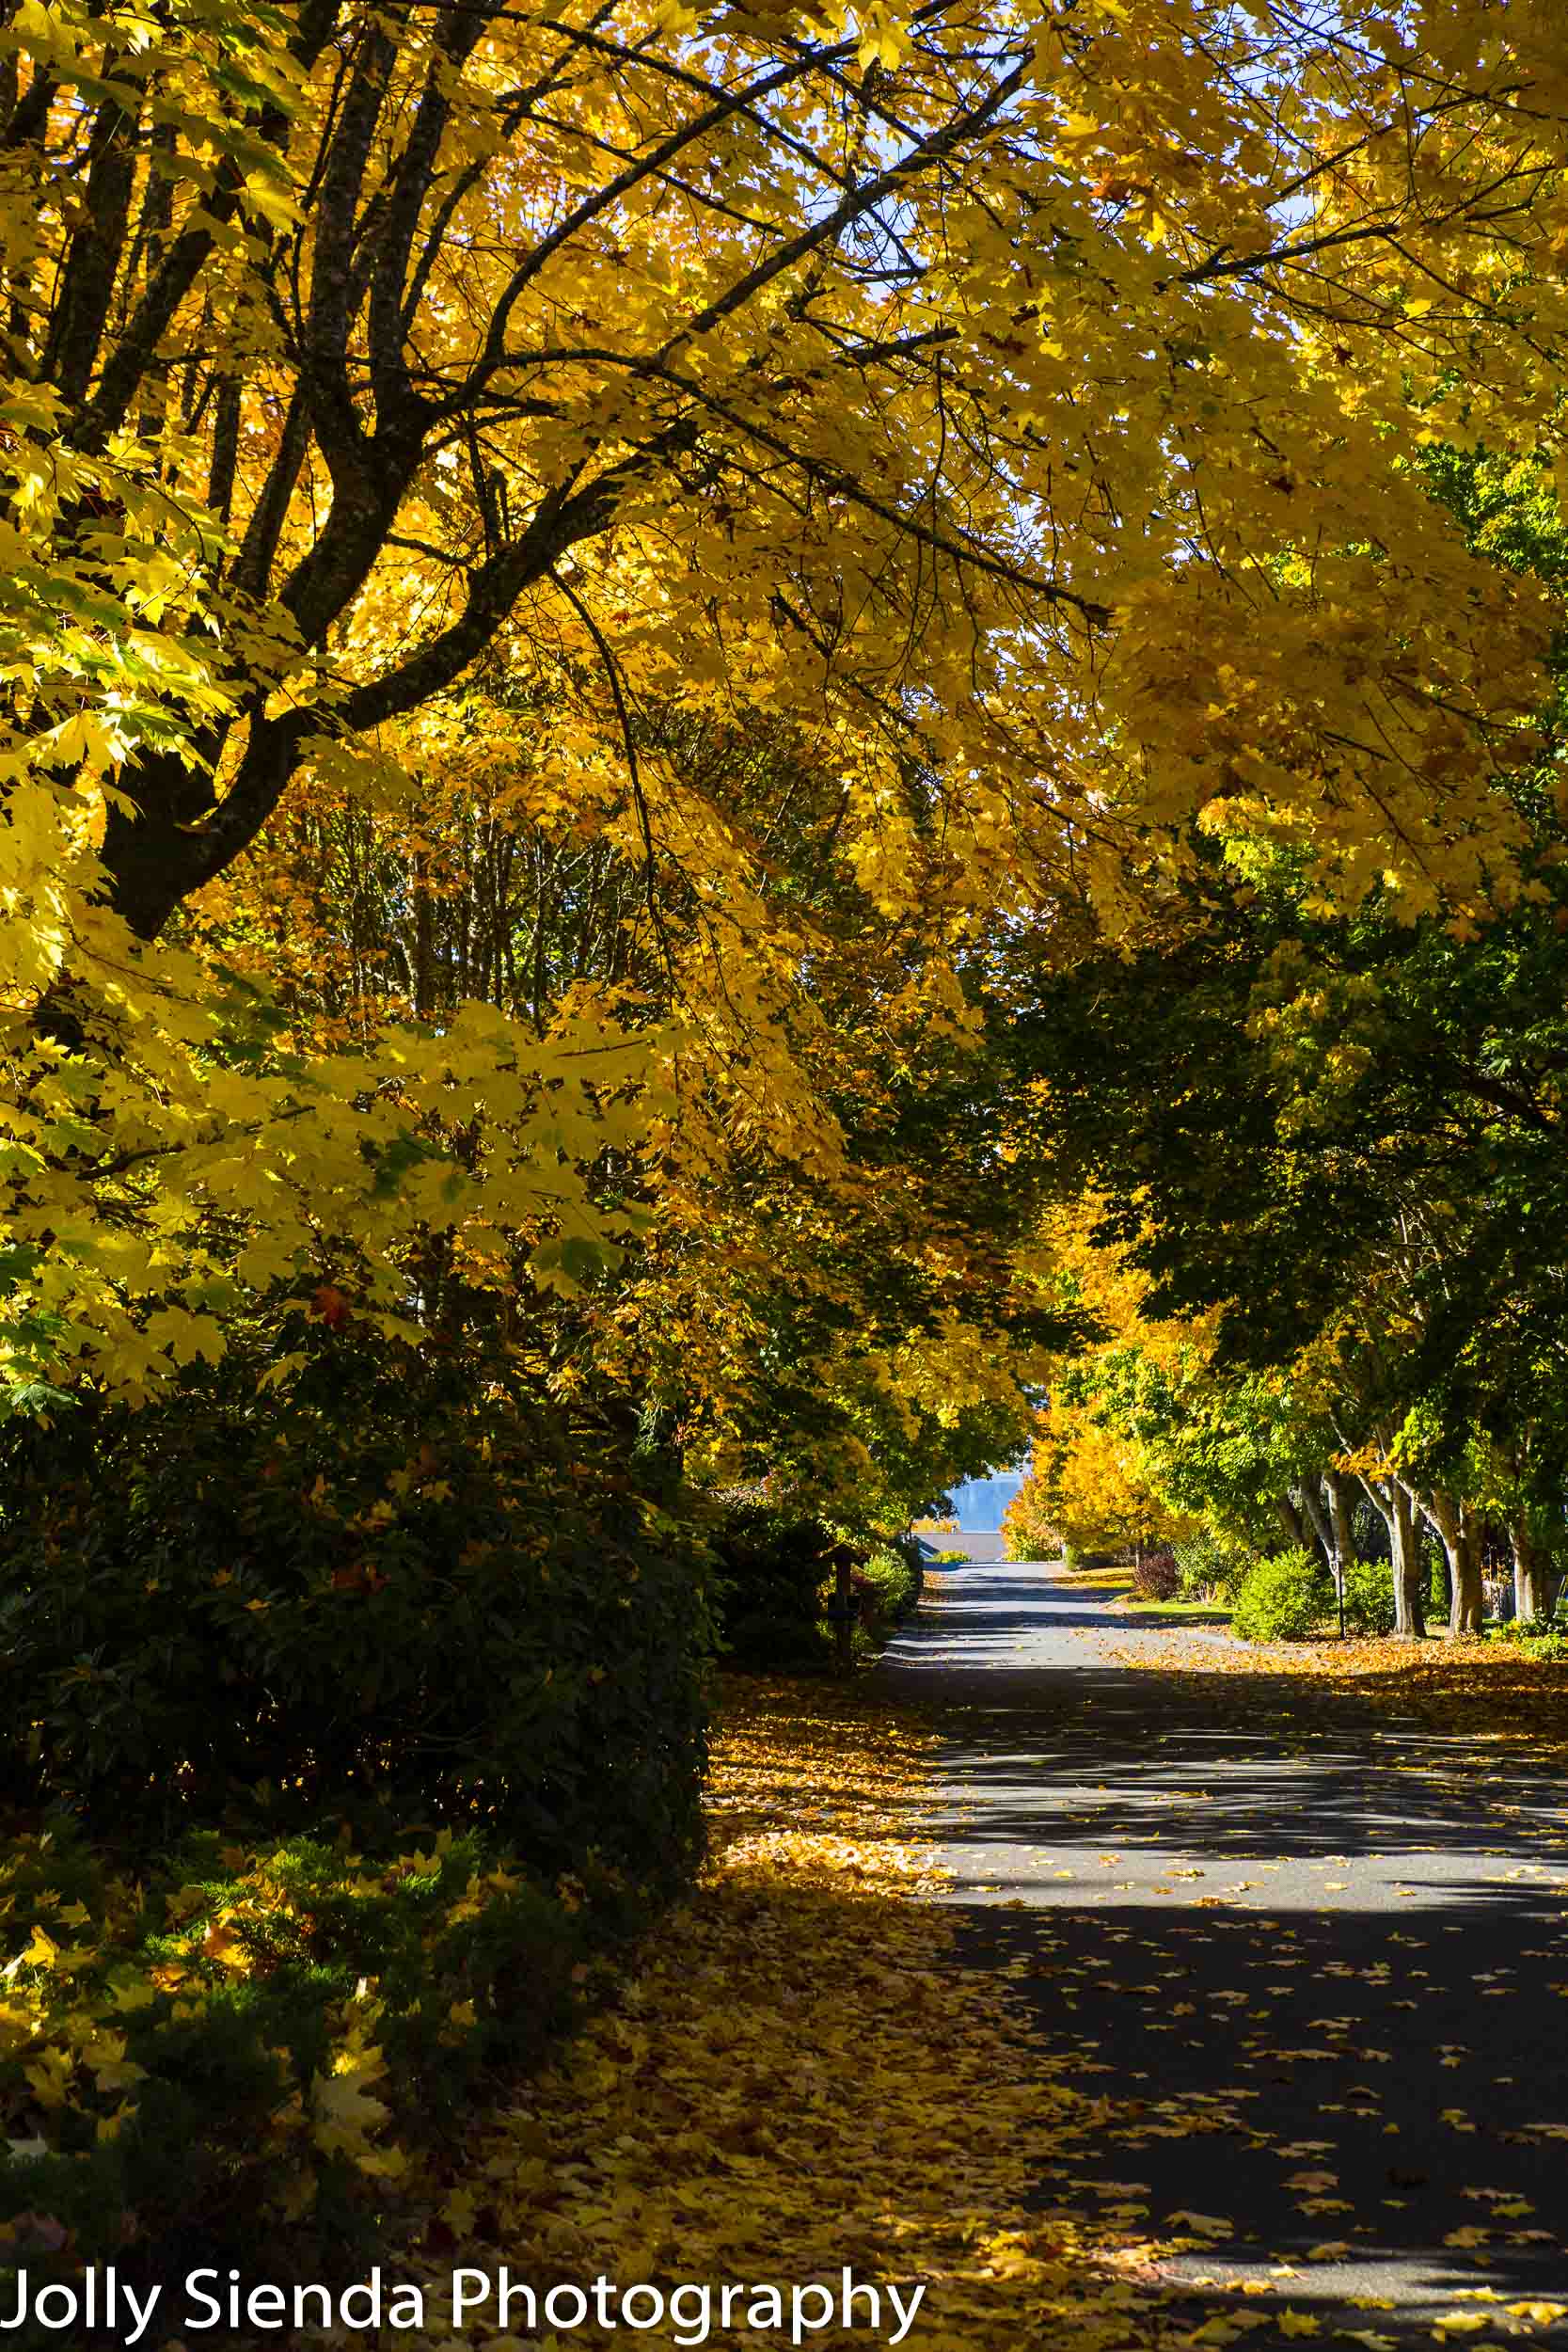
(795, 2080)
(1015, 409)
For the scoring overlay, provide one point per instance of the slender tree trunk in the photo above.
(1295, 1535)
(424, 940)
(1470, 1601)
(1409, 1594)
(1312, 1504)
(1459, 1528)
(1396, 1508)
(1535, 1587)
(1342, 1517)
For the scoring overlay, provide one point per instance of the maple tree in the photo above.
(612, 614)
(1088, 1484)
(927, 385)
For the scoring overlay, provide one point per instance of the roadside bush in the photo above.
(1543, 1639)
(1369, 1597)
(771, 1586)
(775, 1578)
(248, 2043)
(1212, 1566)
(889, 1584)
(1282, 1598)
(252, 1634)
(365, 1599)
(1156, 1576)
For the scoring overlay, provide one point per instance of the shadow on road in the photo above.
(1307, 1952)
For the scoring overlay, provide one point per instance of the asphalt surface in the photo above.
(1314, 1962)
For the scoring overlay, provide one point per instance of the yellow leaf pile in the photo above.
(1495, 1693)
(794, 2081)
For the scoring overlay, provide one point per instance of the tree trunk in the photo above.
(1395, 1506)
(1457, 1524)
(1340, 1517)
(1312, 1504)
(1295, 1535)
(1470, 1601)
(1535, 1587)
(1410, 1617)
(424, 940)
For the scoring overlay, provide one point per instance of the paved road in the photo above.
(1317, 1959)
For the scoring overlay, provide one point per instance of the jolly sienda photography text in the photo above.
(209, 2298)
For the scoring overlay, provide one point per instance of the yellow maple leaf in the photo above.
(344, 2112)
(221, 1943)
(42, 1952)
(459, 2210)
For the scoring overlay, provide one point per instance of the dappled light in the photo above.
(1311, 1949)
(795, 2080)
(784, 1234)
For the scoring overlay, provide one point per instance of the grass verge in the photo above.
(1117, 1583)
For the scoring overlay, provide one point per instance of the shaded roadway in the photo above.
(1313, 1959)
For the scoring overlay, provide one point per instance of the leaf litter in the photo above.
(800, 2077)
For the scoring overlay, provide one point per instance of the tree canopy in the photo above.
(578, 581)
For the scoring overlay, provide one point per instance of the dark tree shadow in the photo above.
(1373, 2101)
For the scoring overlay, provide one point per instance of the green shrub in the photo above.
(1543, 1639)
(771, 1586)
(1369, 1597)
(366, 1597)
(260, 1631)
(1282, 1598)
(775, 1580)
(889, 1584)
(241, 2043)
(1211, 1567)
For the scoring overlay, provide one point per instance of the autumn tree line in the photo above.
(729, 737)
(1317, 1228)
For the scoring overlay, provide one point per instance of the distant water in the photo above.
(979, 1502)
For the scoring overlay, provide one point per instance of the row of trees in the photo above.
(1324, 1148)
(665, 671)
(666, 676)
(565, 575)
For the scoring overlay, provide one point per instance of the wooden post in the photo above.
(844, 1608)
(843, 1616)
